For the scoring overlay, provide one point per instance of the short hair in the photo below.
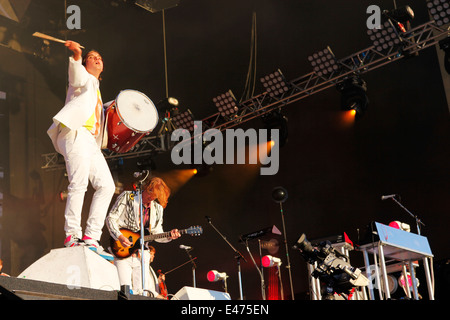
(84, 59)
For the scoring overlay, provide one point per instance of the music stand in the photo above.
(401, 246)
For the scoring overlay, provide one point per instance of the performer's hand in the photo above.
(175, 234)
(75, 47)
(124, 241)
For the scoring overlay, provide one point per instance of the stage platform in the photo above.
(12, 288)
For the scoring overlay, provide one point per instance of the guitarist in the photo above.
(126, 214)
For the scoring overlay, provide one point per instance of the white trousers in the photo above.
(130, 272)
(85, 162)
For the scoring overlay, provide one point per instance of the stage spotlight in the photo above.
(214, 275)
(201, 170)
(401, 15)
(226, 104)
(167, 104)
(323, 62)
(445, 46)
(353, 95)
(275, 120)
(275, 83)
(439, 11)
(384, 38)
(270, 261)
(184, 120)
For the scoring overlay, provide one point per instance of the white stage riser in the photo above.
(77, 267)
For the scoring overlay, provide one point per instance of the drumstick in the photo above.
(44, 36)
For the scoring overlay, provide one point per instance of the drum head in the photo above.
(136, 111)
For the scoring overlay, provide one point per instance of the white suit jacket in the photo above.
(81, 100)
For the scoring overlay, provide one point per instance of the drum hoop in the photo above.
(123, 120)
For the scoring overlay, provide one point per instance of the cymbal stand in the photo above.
(238, 256)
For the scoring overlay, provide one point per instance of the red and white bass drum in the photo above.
(130, 117)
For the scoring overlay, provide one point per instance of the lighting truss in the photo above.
(414, 40)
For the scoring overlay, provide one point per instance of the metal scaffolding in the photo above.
(411, 42)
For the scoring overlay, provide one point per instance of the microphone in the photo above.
(182, 246)
(140, 174)
(388, 197)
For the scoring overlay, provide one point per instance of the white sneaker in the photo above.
(72, 241)
(92, 244)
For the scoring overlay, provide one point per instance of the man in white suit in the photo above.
(77, 133)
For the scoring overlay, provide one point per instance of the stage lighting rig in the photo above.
(276, 120)
(353, 95)
(385, 39)
(402, 16)
(332, 267)
(439, 11)
(275, 84)
(226, 104)
(324, 62)
(184, 120)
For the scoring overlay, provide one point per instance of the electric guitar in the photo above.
(134, 237)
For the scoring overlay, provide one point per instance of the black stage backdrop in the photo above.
(334, 174)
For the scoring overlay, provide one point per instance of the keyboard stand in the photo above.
(401, 246)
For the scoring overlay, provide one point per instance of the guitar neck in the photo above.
(164, 235)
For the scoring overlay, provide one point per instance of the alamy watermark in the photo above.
(374, 20)
(215, 147)
(74, 277)
(74, 20)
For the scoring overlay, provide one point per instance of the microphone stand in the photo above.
(238, 256)
(194, 266)
(287, 251)
(260, 272)
(418, 221)
(141, 213)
